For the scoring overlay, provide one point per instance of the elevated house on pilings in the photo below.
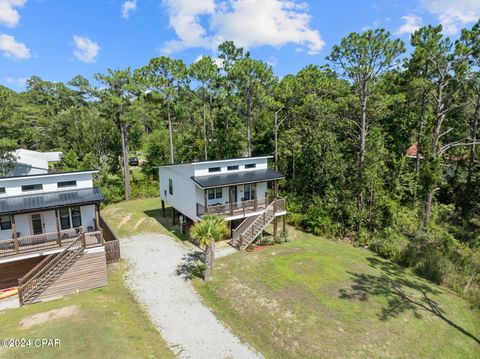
(235, 189)
(51, 238)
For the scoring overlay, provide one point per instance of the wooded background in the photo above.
(343, 133)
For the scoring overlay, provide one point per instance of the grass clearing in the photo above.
(313, 297)
(100, 323)
(141, 216)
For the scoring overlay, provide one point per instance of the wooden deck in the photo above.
(45, 242)
(242, 208)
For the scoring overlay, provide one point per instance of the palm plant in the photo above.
(210, 229)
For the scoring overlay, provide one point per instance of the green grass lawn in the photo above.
(140, 216)
(109, 324)
(312, 298)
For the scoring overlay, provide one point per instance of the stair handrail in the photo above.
(269, 208)
(35, 274)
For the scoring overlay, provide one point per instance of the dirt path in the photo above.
(158, 273)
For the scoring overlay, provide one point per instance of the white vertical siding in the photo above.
(13, 186)
(184, 189)
(23, 222)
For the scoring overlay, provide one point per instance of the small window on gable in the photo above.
(250, 165)
(2, 190)
(214, 169)
(32, 187)
(66, 184)
(232, 168)
(5, 223)
(170, 186)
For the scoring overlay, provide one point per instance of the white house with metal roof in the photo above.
(30, 162)
(51, 242)
(236, 189)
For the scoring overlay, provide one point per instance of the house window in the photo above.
(66, 184)
(2, 190)
(249, 192)
(214, 169)
(65, 219)
(76, 217)
(232, 168)
(5, 223)
(214, 193)
(170, 186)
(32, 187)
(250, 165)
(211, 193)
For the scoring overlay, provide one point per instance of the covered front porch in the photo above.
(46, 223)
(238, 195)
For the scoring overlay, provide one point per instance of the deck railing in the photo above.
(39, 242)
(240, 208)
(37, 278)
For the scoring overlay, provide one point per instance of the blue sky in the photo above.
(58, 39)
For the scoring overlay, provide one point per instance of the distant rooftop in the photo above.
(219, 161)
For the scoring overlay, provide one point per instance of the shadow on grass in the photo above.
(192, 265)
(167, 222)
(402, 293)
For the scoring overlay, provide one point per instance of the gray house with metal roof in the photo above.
(244, 191)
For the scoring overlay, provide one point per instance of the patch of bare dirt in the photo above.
(139, 223)
(54, 314)
(124, 220)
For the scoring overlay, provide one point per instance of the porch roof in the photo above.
(50, 200)
(226, 179)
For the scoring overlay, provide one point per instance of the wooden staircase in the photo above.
(252, 227)
(44, 274)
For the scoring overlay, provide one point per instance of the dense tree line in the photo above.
(343, 133)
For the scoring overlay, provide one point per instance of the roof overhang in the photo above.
(42, 175)
(235, 178)
(50, 200)
(219, 161)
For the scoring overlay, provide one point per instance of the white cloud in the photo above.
(16, 81)
(86, 49)
(8, 14)
(13, 49)
(249, 23)
(453, 15)
(216, 60)
(128, 7)
(411, 23)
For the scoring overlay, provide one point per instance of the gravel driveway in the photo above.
(157, 277)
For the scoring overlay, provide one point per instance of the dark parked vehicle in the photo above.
(133, 161)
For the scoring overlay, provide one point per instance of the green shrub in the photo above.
(390, 244)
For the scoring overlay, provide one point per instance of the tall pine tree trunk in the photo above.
(170, 133)
(471, 160)
(421, 126)
(126, 172)
(361, 158)
(249, 134)
(439, 117)
(205, 140)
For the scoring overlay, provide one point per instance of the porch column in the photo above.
(57, 223)
(97, 219)
(163, 208)
(205, 200)
(275, 191)
(275, 225)
(230, 199)
(14, 228)
(254, 191)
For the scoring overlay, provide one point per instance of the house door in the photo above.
(37, 223)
